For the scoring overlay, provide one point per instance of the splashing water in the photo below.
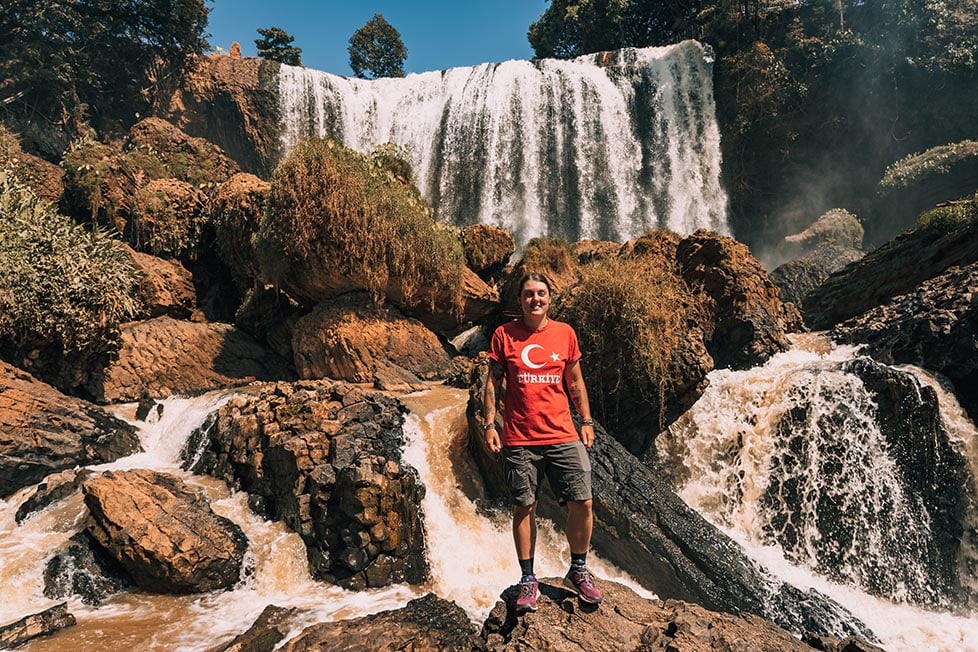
(602, 146)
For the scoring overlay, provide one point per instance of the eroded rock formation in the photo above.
(324, 458)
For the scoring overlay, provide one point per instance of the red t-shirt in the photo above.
(537, 411)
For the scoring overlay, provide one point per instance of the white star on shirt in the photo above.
(555, 357)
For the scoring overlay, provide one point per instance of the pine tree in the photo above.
(276, 45)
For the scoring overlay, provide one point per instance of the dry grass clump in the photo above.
(629, 314)
(160, 150)
(60, 285)
(394, 159)
(333, 209)
(552, 254)
(9, 145)
(236, 213)
(100, 184)
(950, 215)
(936, 160)
(168, 218)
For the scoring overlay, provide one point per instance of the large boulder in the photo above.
(746, 321)
(935, 326)
(164, 356)
(641, 525)
(895, 268)
(84, 570)
(835, 227)
(166, 287)
(163, 533)
(325, 458)
(44, 431)
(46, 180)
(161, 150)
(487, 248)
(798, 277)
(425, 623)
(100, 185)
(236, 213)
(168, 219)
(351, 337)
(273, 625)
(626, 621)
(232, 102)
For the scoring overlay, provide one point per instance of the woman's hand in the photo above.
(587, 435)
(492, 440)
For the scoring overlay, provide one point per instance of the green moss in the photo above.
(950, 216)
(168, 219)
(936, 160)
(60, 284)
(332, 207)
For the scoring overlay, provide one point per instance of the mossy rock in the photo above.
(45, 179)
(336, 221)
(949, 216)
(834, 227)
(168, 219)
(161, 150)
(100, 185)
(236, 214)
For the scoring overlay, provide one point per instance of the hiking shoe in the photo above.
(579, 579)
(526, 599)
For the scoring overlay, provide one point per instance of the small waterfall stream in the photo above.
(604, 146)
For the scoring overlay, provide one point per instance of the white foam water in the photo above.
(604, 146)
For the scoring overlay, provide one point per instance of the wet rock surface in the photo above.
(626, 621)
(273, 625)
(797, 278)
(84, 570)
(325, 458)
(163, 534)
(164, 356)
(426, 623)
(40, 624)
(54, 488)
(43, 431)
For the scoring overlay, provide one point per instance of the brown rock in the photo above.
(351, 337)
(167, 287)
(162, 356)
(233, 103)
(274, 624)
(799, 277)
(41, 624)
(42, 431)
(100, 185)
(626, 621)
(428, 623)
(487, 248)
(325, 458)
(589, 250)
(748, 319)
(161, 150)
(236, 212)
(269, 315)
(45, 179)
(836, 227)
(164, 534)
(235, 52)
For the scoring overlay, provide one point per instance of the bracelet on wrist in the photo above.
(488, 426)
(587, 422)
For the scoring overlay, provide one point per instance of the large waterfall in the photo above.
(605, 146)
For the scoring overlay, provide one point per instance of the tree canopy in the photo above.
(63, 59)
(276, 45)
(376, 50)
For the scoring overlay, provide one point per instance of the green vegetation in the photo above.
(100, 184)
(394, 158)
(64, 60)
(60, 285)
(936, 160)
(160, 150)
(276, 45)
(335, 208)
(376, 50)
(949, 216)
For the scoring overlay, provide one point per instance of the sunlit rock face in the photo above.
(605, 146)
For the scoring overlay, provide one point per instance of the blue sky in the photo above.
(438, 34)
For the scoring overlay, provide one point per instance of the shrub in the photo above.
(161, 150)
(333, 210)
(936, 160)
(629, 314)
(60, 285)
(236, 214)
(100, 184)
(168, 219)
(394, 159)
(949, 216)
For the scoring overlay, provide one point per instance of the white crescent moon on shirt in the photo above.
(525, 356)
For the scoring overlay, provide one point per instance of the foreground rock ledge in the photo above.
(626, 621)
(30, 627)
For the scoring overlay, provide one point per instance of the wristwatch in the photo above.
(488, 426)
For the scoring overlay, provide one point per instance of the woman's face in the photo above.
(535, 299)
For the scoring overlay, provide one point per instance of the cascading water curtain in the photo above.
(603, 146)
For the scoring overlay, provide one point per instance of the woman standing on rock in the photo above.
(539, 357)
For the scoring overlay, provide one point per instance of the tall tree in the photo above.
(376, 50)
(276, 45)
(63, 59)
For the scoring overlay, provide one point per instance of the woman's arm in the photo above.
(493, 383)
(574, 379)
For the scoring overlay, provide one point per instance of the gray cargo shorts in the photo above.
(567, 467)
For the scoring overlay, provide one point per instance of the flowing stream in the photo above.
(605, 146)
(471, 554)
